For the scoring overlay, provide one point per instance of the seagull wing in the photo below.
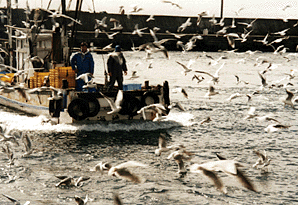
(153, 35)
(252, 111)
(260, 155)
(110, 101)
(216, 73)
(117, 200)
(190, 62)
(119, 98)
(130, 164)
(263, 80)
(16, 202)
(162, 141)
(216, 180)
(245, 181)
(220, 157)
(27, 143)
(126, 174)
(184, 66)
(290, 94)
(199, 71)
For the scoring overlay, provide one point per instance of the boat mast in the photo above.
(9, 22)
(64, 40)
(221, 9)
(74, 31)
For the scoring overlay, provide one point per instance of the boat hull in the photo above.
(73, 105)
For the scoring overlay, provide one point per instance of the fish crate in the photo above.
(32, 83)
(53, 77)
(132, 86)
(39, 78)
(66, 72)
(58, 74)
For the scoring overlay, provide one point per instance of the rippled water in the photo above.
(72, 150)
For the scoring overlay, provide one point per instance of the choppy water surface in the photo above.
(72, 150)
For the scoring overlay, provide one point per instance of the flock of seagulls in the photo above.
(179, 154)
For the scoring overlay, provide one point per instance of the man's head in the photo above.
(84, 47)
(117, 48)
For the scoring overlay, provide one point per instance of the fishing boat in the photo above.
(42, 82)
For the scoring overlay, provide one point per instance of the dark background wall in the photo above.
(210, 42)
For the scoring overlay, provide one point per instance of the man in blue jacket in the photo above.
(82, 62)
(116, 67)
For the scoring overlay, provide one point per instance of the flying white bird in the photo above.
(228, 166)
(115, 106)
(186, 68)
(215, 77)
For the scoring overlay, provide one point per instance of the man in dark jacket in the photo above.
(116, 67)
(82, 62)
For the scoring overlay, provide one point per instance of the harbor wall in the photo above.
(210, 42)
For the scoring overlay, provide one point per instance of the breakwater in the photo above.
(211, 41)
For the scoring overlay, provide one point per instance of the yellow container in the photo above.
(7, 77)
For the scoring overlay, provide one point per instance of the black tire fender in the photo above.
(166, 95)
(130, 105)
(78, 109)
(94, 107)
(148, 98)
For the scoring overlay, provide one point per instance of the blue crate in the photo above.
(132, 86)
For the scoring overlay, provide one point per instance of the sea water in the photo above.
(72, 150)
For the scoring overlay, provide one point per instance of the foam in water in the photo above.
(27, 123)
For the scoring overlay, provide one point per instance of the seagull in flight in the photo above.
(157, 109)
(56, 14)
(215, 77)
(251, 113)
(162, 145)
(28, 145)
(138, 31)
(289, 99)
(187, 68)
(230, 167)
(81, 201)
(238, 11)
(121, 171)
(211, 92)
(198, 78)
(282, 33)
(70, 181)
(263, 160)
(115, 106)
(263, 41)
(85, 77)
(100, 23)
(184, 25)
(179, 156)
(15, 201)
(248, 25)
(175, 34)
(173, 4)
(275, 127)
